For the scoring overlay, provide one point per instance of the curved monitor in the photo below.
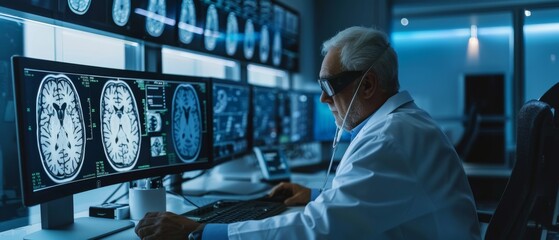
(82, 127)
(230, 119)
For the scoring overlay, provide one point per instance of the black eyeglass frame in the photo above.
(335, 84)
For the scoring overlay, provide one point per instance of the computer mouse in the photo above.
(280, 198)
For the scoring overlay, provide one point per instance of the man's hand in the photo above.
(296, 194)
(165, 225)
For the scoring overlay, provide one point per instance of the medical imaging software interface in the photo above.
(86, 126)
(230, 119)
(265, 118)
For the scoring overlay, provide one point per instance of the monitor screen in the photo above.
(82, 127)
(230, 119)
(294, 114)
(301, 106)
(284, 115)
(264, 116)
(324, 124)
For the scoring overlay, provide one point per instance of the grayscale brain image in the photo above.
(60, 128)
(120, 125)
(186, 123)
(95, 123)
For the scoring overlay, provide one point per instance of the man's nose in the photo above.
(324, 98)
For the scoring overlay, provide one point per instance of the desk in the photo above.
(174, 204)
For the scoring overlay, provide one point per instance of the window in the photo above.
(445, 51)
(541, 34)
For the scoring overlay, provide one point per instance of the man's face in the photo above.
(339, 103)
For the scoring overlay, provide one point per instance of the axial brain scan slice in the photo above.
(155, 23)
(186, 123)
(232, 34)
(187, 21)
(120, 125)
(79, 7)
(211, 32)
(121, 12)
(60, 128)
(277, 49)
(249, 41)
(264, 44)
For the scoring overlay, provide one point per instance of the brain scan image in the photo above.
(232, 34)
(221, 101)
(276, 52)
(187, 21)
(120, 125)
(211, 32)
(153, 122)
(249, 41)
(121, 12)
(60, 128)
(157, 148)
(264, 44)
(187, 123)
(155, 20)
(79, 7)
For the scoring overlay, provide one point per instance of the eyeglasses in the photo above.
(335, 84)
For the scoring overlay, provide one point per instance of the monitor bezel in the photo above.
(217, 161)
(29, 197)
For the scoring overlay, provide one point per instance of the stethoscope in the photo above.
(340, 130)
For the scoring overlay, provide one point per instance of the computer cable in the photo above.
(113, 193)
(184, 197)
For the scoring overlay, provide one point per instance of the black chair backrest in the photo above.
(527, 192)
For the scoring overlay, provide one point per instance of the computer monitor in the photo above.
(301, 106)
(295, 111)
(264, 116)
(284, 117)
(230, 119)
(81, 127)
(324, 124)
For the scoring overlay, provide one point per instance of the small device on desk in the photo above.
(273, 164)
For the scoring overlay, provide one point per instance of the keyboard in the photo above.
(229, 211)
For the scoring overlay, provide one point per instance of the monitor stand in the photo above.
(57, 222)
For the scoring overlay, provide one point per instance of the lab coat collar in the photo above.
(390, 105)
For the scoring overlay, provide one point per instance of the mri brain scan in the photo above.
(187, 123)
(249, 41)
(60, 128)
(221, 101)
(153, 122)
(120, 125)
(211, 32)
(79, 7)
(155, 23)
(187, 21)
(276, 52)
(264, 44)
(121, 12)
(232, 34)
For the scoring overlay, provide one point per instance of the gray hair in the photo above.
(361, 48)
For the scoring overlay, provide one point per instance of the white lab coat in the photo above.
(400, 178)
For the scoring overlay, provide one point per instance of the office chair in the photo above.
(526, 209)
(471, 130)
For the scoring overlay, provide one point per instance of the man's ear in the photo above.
(370, 85)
